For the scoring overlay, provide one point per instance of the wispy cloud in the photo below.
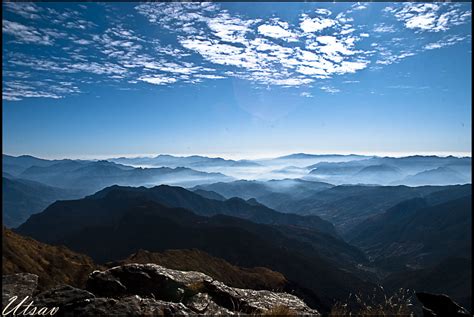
(25, 34)
(358, 6)
(27, 10)
(446, 41)
(382, 28)
(431, 17)
(330, 89)
(186, 42)
(158, 80)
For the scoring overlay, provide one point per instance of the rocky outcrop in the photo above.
(217, 268)
(440, 305)
(77, 302)
(20, 285)
(152, 290)
(149, 280)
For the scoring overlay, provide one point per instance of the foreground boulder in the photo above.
(196, 290)
(149, 280)
(20, 285)
(71, 301)
(440, 305)
(152, 290)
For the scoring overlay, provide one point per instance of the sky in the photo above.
(236, 79)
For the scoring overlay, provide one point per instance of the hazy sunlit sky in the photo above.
(236, 79)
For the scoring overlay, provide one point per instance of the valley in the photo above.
(320, 240)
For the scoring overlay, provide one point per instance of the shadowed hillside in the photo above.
(112, 226)
(54, 265)
(219, 269)
(22, 198)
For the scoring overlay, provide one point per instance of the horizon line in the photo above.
(247, 156)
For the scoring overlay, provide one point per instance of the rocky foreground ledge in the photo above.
(149, 290)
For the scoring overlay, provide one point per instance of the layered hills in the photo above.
(57, 265)
(22, 198)
(345, 205)
(89, 176)
(411, 170)
(117, 222)
(343, 225)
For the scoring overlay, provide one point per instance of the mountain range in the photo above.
(194, 161)
(117, 222)
(321, 226)
(22, 198)
(408, 234)
(423, 243)
(90, 176)
(57, 265)
(412, 171)
(187, 170)
(345, 205)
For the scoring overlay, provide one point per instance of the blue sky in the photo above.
(236, 79)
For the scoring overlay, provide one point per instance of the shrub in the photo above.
(378, 304)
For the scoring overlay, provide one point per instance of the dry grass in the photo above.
(379, 304)
(54, 265)
(219, 269)
(280, 310)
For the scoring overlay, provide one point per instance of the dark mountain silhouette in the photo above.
(270, 193)
(416, 234)
(117, 223)
(344, 205)
(172, 196)
(209, 194)
(423, 243)
(347, 205)
(22, 198)
(451, 276)
(242, 188)
(447, 193)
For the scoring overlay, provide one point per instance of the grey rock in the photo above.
(203, 304)
(152, 290)
(440, 305)
(198, 291)
(149, 280)
(63, 296)
(127, 306)
(20, 285)
(252, 301)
